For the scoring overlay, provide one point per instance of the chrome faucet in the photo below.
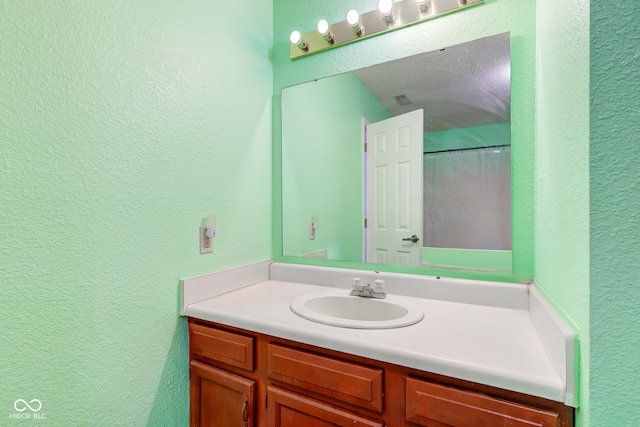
(366, 291)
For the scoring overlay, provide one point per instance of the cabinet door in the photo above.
(287, 409)
(219, 398)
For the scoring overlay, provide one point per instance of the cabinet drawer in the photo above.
(347, 382)
(226, 347)
(430, 404)
(287, 409)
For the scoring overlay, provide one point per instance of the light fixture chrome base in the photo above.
(407, 13)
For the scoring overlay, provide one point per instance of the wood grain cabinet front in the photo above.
(220, 398)
(288, 409)
(347, 382)
(226, 347)
(241, 378)
(430, 404)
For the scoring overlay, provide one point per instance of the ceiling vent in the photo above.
(402, 100)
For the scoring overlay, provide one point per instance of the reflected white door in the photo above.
(394, 189)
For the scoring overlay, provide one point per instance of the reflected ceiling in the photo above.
(458, 87)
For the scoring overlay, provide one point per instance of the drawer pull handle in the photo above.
(245, 410)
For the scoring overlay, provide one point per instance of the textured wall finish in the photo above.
(615, 213)
(122, 124)
(562, 166)
(491, 18)
(323, 175)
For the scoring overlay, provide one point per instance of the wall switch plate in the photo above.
(206, 242)
(312, 231)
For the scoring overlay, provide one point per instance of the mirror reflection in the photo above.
(432, 188)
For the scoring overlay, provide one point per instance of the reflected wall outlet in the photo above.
(313, 226)
(206, 242)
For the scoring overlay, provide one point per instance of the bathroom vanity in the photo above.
(485, 354)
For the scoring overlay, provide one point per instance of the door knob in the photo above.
(412, 239)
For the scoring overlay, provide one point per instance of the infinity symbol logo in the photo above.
(26, 405)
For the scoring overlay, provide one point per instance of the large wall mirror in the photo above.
(432, 188)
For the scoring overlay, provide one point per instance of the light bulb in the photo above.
(353, 18)
(296, 38)
(325, 31)
(323, 28)
(385, 7)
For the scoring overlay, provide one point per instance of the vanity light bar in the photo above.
(388, 16)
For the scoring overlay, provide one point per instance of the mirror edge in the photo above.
(495, 276)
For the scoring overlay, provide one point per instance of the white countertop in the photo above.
(493, 345)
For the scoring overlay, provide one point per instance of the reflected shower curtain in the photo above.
(467, 199)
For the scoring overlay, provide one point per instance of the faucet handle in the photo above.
(356, 283)
(379, 285)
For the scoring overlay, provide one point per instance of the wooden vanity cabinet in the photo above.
(222, 386)
(242, 378)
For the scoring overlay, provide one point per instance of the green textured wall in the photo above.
(122, 124)
(562, 168)
(491, 18)
(323, 165)
(615, 213)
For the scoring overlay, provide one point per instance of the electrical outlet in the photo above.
(206, 242)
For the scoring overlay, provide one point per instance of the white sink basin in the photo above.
(338, 308)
